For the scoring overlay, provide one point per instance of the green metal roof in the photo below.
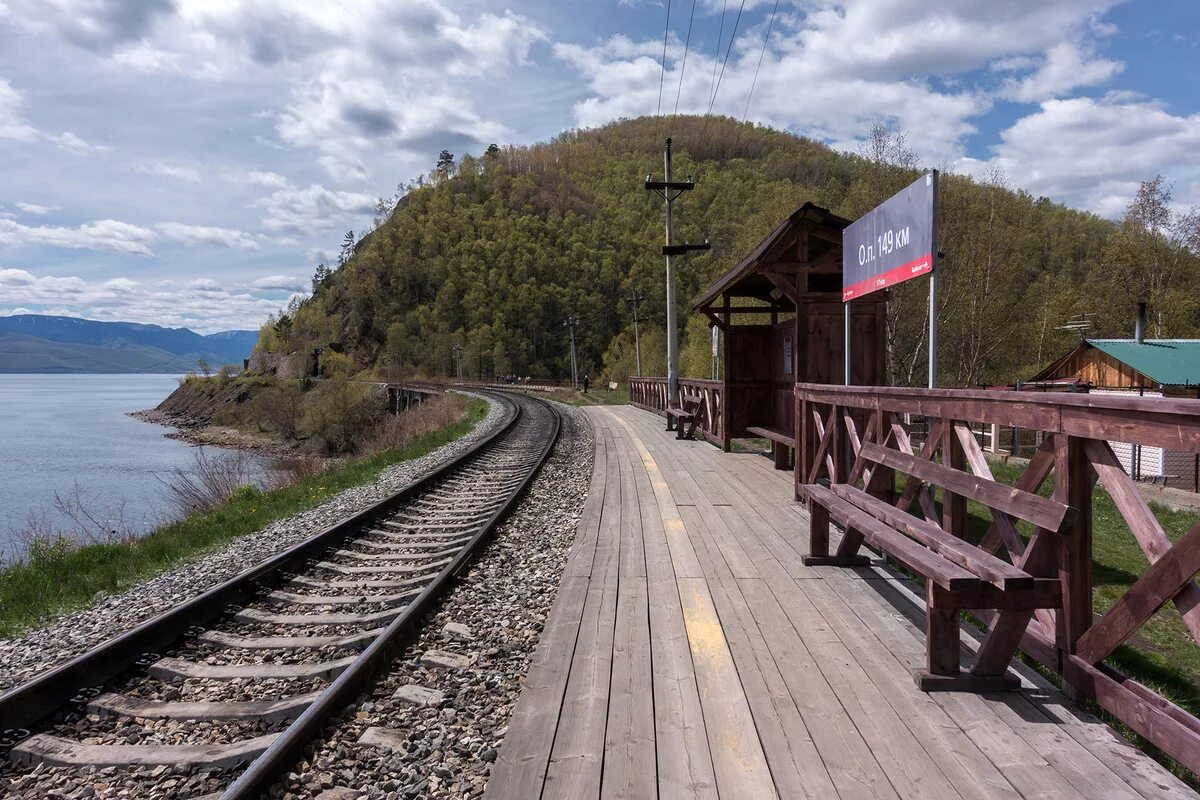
(1171, 362)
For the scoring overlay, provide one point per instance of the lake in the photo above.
(60, 431)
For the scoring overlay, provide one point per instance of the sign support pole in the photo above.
(933, 282)
(846, 342)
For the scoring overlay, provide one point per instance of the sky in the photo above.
(189, 162)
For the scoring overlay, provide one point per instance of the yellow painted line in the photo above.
(739, 763)
(683, 556)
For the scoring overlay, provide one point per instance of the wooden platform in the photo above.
(690, 653)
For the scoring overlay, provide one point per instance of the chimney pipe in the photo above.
(1139, 331)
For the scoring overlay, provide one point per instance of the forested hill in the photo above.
(495, 253)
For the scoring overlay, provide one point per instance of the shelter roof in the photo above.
(748, 279)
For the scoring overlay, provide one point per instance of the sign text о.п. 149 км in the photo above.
(891, 244)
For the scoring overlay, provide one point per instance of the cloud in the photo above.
(34, 208)
(267, 180)
(14, 126)
(1094, 152)
(94, 24)
(201, 234)
(202, 304)
(106, 235)
(832, 67)
(189, 174)
(1064, 68)
(281, 283)
(312, 208)
(381, 76)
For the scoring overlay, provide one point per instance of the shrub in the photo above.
(341, 413)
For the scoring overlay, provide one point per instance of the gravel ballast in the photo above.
(45, 648)
(433, 727)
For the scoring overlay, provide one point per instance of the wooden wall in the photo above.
(1102, 371)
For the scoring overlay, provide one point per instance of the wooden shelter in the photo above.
(780, 310)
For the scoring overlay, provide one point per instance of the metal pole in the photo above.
(933, 281)
(846, 340)
(574, 368)
(637, 338)
(672, 331)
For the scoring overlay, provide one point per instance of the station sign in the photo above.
(892, 243)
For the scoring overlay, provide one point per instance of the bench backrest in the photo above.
(691, 402)
(1033, 508)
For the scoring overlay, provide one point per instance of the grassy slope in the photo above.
(56, 580)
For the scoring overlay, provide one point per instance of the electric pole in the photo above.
(637, 300)
(669, 190)
(571, 323)
(458, 360)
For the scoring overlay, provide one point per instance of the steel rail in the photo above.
(32, 702)
(288, 748)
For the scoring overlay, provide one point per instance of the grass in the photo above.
(59, 578)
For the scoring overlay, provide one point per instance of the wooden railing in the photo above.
(835, 421)
(651, 394)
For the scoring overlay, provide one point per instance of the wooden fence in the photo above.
(1074, 454)
(651, 394)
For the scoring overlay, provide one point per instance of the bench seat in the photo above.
(958, 574)
(686, 417)
(782, 443)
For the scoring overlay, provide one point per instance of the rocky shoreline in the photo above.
(193, 431)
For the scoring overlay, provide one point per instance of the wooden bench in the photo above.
(782, 442)
(686, 417)
(958, 575)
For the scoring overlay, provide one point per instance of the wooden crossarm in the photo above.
(966, 555)
(936, 568)
(1040, 511)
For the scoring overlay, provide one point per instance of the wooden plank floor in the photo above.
(691, 654)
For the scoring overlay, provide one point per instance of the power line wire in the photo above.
(683, 68)
(732, 38)
(716, 89)
(717, 57)
(762, 53)
(662, 76)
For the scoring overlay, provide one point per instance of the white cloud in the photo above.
(832, 67)
(177, 172)
(202, 304)
(1064, 68)
(106, 234)
(202, 234)
(34, 208)
(281, 283)
(1094, 153)
(267, 180)
(380, 76)
(312, 208)
(12, 124)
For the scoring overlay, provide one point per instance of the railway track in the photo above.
(255, 667)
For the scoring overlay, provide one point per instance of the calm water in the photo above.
(57, 431)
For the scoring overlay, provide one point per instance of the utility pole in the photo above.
(637, 300)
(669, 190)
(458, 360)
(571, 323)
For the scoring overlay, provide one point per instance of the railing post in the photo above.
(954, 506)
(1073, 487)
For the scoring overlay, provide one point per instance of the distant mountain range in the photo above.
(39, 343)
